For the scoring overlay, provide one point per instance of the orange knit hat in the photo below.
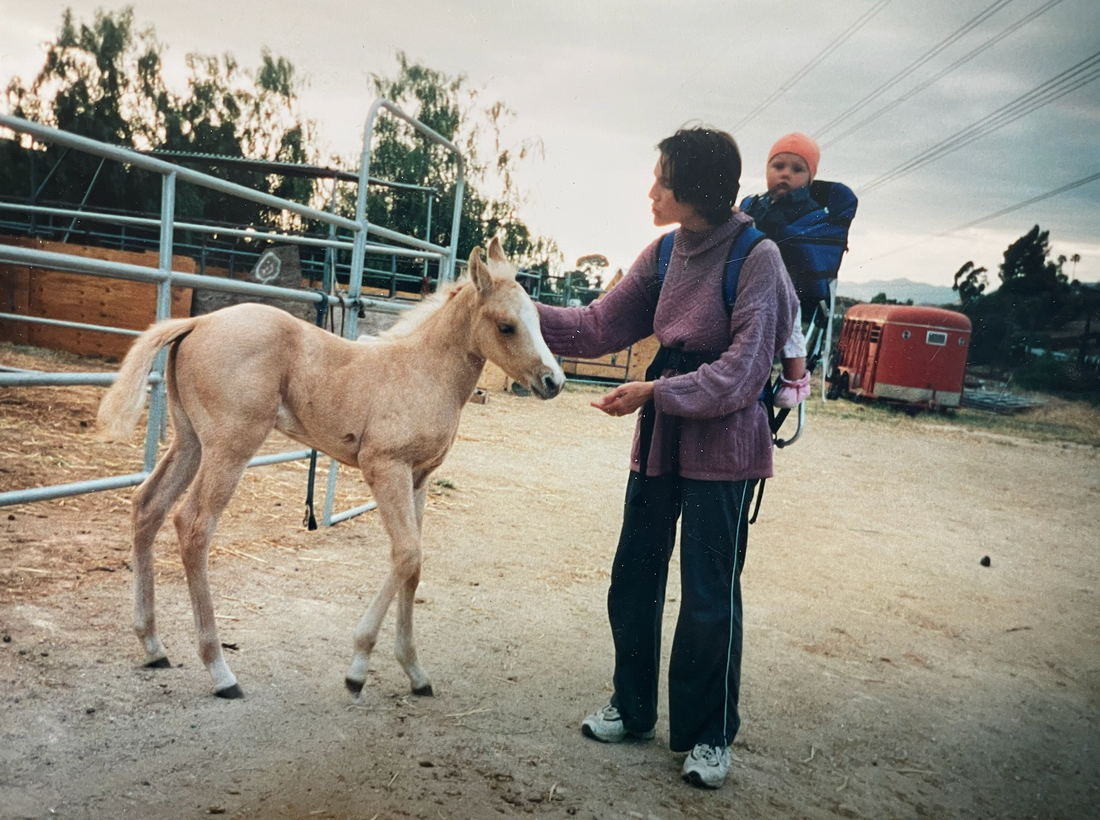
(800, 144)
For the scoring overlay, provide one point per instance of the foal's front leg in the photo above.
(401, 510)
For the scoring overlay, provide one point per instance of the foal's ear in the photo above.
(479, 273)
(496, 252)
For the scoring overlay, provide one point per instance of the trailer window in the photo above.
(905, 334)
(962, 341)
(935, 337)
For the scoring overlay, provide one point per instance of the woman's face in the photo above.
(667, 210)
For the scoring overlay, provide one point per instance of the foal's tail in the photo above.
(121, 406)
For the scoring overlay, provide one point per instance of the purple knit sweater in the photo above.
(710, 424)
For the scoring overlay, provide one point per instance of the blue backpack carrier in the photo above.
(813, 245)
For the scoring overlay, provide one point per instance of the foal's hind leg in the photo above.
(152, 501)
(218, 475)
(392, 487)
(406, 595)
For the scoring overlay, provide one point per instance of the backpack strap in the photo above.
(748, 203)
(748, 239)
(664, 256)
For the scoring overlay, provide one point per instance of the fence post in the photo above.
(156, 429)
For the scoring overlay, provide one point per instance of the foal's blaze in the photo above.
(390, 407)
(508, 332)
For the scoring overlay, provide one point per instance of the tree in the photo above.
(882, 299)
(1033, 288)
(1087, 298)
(401, 154)
(593, 266)
(104, 81)
(1035, 298)
(95, 81)
(970, 283)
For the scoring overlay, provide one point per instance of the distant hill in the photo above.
(900, 289)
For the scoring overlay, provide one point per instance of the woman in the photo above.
(704, 437)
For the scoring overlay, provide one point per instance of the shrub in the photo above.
(1069, 379)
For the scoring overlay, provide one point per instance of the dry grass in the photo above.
(1072, 422)
(39, 358)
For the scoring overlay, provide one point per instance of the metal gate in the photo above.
(387, 241)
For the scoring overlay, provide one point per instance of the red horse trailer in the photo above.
(915, 355)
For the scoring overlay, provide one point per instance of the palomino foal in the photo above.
(391, 408)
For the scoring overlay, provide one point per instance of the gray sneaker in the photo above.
(606, 726)
(707, 766)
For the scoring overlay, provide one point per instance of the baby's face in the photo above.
(786, 172)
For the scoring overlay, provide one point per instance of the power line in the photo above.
(988, 44)
(1053, 89)
(1083, 73)
(1068, 187)
(1020, 205)
(812, 64)
(913, 66)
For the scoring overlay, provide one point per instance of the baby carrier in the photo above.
(812, 246)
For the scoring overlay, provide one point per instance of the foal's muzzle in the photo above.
(548, 383)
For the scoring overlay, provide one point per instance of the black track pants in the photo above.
(705, 669)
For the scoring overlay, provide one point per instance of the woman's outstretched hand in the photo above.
(625, 399)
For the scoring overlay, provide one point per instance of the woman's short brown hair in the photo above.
(702, 166)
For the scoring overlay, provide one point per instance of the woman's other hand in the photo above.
(625, 399)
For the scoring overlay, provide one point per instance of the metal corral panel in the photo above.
(916, 355)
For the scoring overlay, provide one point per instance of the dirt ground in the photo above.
(887, 672)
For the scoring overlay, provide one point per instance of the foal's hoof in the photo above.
(159, 663)
(424, 691)
(354, 686)
(230, 692)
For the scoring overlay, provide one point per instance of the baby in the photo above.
(792, 166)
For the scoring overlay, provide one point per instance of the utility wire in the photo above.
(1058, 86)
(812, 64)
(988, 44)
(1045, 94)
(1069, 187)
(913, 66)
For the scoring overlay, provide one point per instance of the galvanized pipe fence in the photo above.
(164, 278)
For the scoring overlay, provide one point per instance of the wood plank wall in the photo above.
(73, 297)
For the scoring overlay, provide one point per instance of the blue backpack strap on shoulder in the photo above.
(742, 246)
(664, 256)
(739, 252)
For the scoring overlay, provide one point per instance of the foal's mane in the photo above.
(417, 316)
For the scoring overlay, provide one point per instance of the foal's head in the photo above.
(506, 328)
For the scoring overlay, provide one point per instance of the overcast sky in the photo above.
(600, 82)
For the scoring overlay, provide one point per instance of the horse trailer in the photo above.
(902, 353)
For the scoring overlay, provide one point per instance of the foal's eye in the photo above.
(506, 329)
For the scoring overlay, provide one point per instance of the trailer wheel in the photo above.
(838, 387)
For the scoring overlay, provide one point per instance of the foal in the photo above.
(391, 408)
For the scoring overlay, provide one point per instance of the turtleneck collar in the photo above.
(693, 243)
